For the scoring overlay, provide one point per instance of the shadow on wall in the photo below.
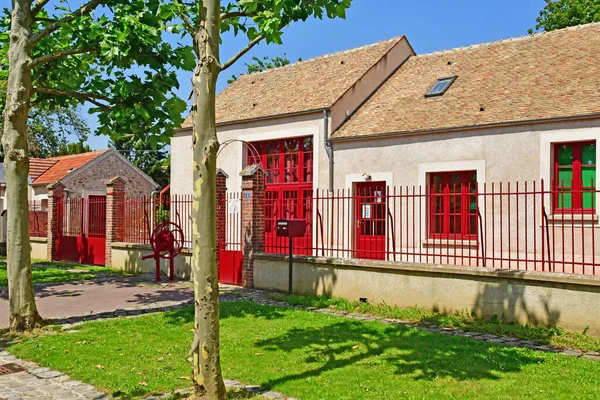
(510, 303)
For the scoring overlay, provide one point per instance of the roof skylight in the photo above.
(440, 86)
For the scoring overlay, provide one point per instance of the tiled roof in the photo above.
(59, 167)
(302, 86)
(549, 75)
(37, 166)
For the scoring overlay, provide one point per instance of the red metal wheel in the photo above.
(167, 240)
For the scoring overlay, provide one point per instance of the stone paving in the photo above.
(37, 383)
(42, 384)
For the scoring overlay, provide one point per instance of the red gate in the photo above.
(81, 230)
(230, 253)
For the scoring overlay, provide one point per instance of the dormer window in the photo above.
(441, 86)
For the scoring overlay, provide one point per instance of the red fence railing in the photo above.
(142, 214)
(38, 218)
(518, 226)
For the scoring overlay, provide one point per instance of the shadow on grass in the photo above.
(236, 309)
(420, 354)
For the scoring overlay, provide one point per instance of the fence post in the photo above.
(221, 210)
(115, 196)
(56, 192)
(253, 219)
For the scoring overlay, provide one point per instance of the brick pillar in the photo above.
(253, 219)
(221, 210)
(115, 196)
(56, 193)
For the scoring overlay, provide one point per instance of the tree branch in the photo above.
(188, 23)
(91, 97)
(233, 14)
(245, 50)
(61, 54)
(37, 7)
(242, 52)
(43, 19)
(83, 10)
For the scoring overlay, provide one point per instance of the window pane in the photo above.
(565, 155)
(589, 199)
(588, 176)
(308, 144)
(564, 200)
(588, 153)
(565, 177)
(291, 168)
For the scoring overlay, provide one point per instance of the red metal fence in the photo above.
(518, 226)
(38, 218)
(142, 214)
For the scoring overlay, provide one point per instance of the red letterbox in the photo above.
(291, 228)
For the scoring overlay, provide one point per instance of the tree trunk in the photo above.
(23, 312)
(208, 379)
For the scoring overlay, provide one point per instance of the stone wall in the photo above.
(90, 180)
(568, 301)
(128, 257)
(39, 248)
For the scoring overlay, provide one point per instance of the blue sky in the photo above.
(430, 25)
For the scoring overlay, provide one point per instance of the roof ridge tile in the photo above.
(324, 56)
(507, 40)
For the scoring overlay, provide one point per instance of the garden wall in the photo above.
(39, 248)
(568, 301)
(128, 257)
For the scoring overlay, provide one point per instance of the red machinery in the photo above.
(167, 243)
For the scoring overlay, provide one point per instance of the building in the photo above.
(426, 158)
(83, 176)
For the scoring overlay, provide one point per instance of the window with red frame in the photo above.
(453, 205)
(287, 161)
(574, 176)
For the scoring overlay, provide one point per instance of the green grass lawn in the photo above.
(49, 272)
(309, 356)
(460, 320)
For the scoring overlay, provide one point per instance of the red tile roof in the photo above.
(57, 168)
(301, 86)
(549, 75)
(37, 166)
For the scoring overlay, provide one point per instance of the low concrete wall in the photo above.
(128, 257)
(569, 301)
(39, 248)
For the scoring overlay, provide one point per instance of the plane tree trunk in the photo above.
(23, 311)
(208, 379)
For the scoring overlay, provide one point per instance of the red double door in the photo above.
(371, 213)
(81, 230)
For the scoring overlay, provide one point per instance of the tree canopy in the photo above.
(116, 59)
(558, 14)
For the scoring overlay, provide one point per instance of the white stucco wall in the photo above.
(498, 154)
(232, 158)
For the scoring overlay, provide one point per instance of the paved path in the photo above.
(61, 300)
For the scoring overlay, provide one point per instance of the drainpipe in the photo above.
(328, 149)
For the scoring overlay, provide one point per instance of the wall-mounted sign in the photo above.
(233, 206)
(366, 211)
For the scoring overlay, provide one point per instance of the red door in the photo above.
(371, 212)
